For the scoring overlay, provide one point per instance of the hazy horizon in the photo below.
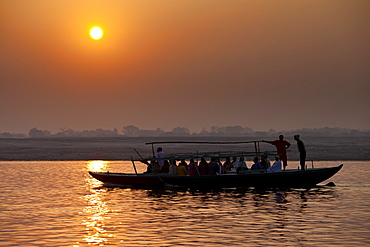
(268, 64)
(216, 131)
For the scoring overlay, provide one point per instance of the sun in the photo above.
(96, 33)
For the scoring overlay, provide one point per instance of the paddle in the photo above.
(142, 159)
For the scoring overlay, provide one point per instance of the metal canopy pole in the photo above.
(133, 163)
(153, 150)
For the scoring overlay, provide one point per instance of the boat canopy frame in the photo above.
(198, 155)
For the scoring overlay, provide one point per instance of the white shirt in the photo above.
(276, 167)
(160, 155)
(235, 165)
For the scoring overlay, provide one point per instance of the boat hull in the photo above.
(285, 179)
(129, 180)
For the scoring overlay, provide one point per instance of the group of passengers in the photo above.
(213, 167)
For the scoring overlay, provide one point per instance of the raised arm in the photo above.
(267, 141)
(287, 145)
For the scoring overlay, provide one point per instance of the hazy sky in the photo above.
(263, 64)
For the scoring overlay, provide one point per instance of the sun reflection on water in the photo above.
(96, 209)
(97, 165)
(95, 223)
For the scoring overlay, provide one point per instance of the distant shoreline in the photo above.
(114, 149)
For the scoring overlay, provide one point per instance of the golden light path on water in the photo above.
(97, 165)
(96, 207)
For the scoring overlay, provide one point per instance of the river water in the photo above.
(57, 203)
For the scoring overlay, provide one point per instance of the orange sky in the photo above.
(269, 64)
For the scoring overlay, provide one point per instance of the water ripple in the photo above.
(59, 204)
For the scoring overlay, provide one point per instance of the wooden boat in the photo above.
(251, 178)
(285, 179)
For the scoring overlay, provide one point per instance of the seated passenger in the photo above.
(221, 169)
(213, 167)
(235, 164)
(241, 165)
(149, 168)
(166, 167)
(193, 169)
(173, 167)
(203, 167)
(228, 165)
(234, 161)
(182, 161)
(257, 164)
(265, 162)
(155, 166)
(276, 167)
(181, 169)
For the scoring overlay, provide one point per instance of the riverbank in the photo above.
(122, 148)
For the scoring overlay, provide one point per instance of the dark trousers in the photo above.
(302, 159)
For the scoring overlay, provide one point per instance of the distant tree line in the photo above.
(133, 131)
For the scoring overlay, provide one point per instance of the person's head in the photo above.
(281, 137)
(296, 137)
(277, 158)
(241, 159)
(203, 160)
(255, 160)
(159, 149)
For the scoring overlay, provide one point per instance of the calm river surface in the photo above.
(56, 203)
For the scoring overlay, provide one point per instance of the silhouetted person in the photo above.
(213, 167)
(302, 152)
(160, 155)
(256, 165)
(173, 167)
(240, 165)
(193, 169)
(182, 169)
(228, 165)
(265, 162)
(166, 167)
(281, 147)
(203, 167)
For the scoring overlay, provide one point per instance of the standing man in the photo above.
(302, 152)
(160, 155)
(281, 147)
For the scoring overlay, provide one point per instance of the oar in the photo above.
(151, 167)
(142, 159)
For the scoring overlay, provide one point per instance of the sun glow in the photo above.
(97, 165)
(96, 33)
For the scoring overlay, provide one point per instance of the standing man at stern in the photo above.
(160, 155)
(302, 152)
(281, 147)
